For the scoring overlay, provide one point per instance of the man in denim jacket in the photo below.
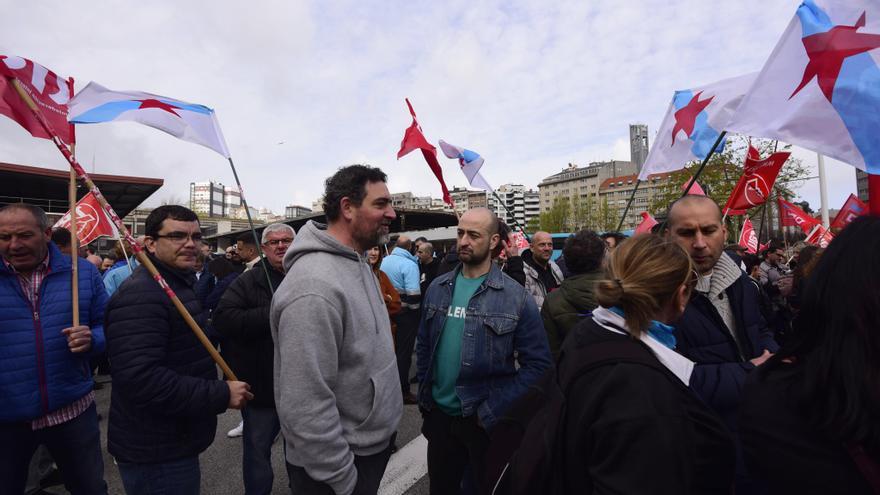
(476, 322)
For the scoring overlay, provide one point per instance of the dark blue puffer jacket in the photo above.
(38, 373)
(166, 392)
(702, 336)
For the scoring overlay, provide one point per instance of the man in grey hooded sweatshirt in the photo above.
(336, 385)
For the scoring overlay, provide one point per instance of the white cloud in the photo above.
(529, 85)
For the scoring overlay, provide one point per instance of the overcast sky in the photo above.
(302, 88)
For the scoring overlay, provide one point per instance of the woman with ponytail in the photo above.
(631, 423)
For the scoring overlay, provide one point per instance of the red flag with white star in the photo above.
(48, 90)
(413, 139)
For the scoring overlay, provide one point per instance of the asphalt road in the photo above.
(221, 463)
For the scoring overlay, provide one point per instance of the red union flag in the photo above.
(792, 216)
(49, 91)
(747, 238)
(757, 181)
(819, 236)
(852, 208)
(91, 221)
(647, 223)
(413, 139)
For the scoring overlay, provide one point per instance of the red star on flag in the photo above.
(828, 50)
(687, 115)
(161, 105)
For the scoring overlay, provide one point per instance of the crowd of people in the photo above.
(662, 363)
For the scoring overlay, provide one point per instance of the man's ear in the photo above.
(493, 241)
(346, 208)
(150, 244)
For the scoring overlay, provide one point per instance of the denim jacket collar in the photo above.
(494, 279)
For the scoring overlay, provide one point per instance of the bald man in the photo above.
(542, 274)
(722, 329)
(477, 325)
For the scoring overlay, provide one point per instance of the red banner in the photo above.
(792, 216)
(648, 222)
(91, 221)
(819, 236)
(413, 139)
(852, 208)
(747, 238)
(757, 181)
(49, 91)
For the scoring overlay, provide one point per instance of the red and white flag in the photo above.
(413, 139)
(747, 238)
(757, 181)
(49, 91)
(647, 223)
(792, 216)
(852, 208)
(695, 190)
(819, 236)
(91, 221)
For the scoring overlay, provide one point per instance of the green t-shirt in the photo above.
(447, 358)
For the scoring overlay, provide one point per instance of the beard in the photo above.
(473, 257)
(369, 237)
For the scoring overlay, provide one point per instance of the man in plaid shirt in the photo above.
(45, 379)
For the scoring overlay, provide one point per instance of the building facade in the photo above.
(296, 211)
(515, 204)
(579, 183)
(616, 191)
(862, 185)
(638, 144)
(207, 198)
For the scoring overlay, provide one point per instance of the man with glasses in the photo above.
(242, 317)
(166, 395)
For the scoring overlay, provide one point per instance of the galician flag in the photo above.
(695, 119)
(187, 121)
(470, 164)
(820, 88)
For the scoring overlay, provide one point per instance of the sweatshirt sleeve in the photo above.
(308, 338)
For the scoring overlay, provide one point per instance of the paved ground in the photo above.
(221, 463)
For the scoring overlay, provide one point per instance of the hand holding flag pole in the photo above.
(138, 251)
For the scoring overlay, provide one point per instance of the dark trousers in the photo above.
(454, 445)
(261, 426)
(370, 469)
(178, 477)
(75, 446)
(404, 342)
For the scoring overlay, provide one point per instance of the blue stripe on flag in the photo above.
(703, 136)
(813, 19)
(106, 112)
(856, 98)
(469, 156)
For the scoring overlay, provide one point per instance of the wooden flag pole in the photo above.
(74, 246)
(138, 250)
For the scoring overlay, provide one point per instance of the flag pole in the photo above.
(628, 203)
(138, 250)
(823, 191)
(687, 189)
(251, 223)
(74, 244)
(515, 221)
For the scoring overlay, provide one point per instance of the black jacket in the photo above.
(702, 337)
(166, 393)
(242, 318)
(634, 429)
(783, 448)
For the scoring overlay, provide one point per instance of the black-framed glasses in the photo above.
(180, 237)
(276, 242)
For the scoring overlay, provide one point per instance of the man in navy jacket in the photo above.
(45, 379)
(722, 329)
(166, 395)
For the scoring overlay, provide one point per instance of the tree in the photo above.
(557, 217)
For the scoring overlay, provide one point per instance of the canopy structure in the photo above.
(407, 220)
(47, 188)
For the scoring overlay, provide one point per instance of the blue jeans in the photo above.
(179, 477)
(261, 426)
(75, 446)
